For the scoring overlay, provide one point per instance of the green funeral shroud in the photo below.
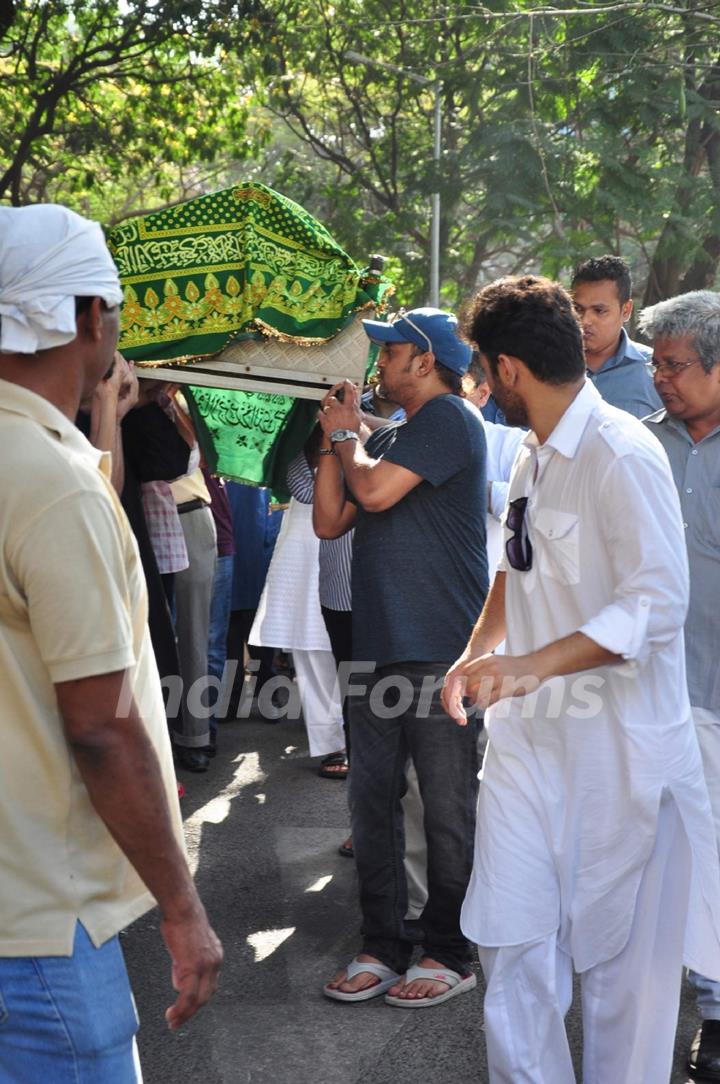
(242, 261)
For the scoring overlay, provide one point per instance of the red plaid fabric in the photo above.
(164, 527)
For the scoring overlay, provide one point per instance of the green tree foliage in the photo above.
(110, 104)
(568, 130)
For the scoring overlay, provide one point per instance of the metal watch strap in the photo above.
(339, 435)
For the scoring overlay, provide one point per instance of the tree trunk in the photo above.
(678, 242)
(702, 272)
(667, 263)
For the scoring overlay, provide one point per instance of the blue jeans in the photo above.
(219, 620)
(446, 762)
(68, 1019)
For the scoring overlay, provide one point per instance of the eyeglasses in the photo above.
(518, 548)
(670, 368)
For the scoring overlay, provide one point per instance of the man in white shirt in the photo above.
(593, 818)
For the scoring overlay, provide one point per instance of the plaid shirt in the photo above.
(164, 527)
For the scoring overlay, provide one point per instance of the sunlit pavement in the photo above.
(263, 831)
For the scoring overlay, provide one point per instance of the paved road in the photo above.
(264, 830)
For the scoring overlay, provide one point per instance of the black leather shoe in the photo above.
(704, 1057)
(193, 760)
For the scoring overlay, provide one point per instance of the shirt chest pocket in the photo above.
(557, 544)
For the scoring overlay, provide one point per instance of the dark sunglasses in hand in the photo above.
(518, 548)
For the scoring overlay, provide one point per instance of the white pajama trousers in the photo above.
(707, 728)
(322, 713)
(629, 1003)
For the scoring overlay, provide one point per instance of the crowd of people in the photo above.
(505, 553)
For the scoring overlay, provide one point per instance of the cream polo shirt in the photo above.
(72, 605)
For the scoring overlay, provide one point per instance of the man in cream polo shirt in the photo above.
(90, 830)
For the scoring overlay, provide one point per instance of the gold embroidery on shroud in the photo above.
(219, 312)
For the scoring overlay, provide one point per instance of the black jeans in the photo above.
(241, 622)
(339, 629)
(446, 762)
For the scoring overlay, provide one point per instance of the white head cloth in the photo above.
(48, 257)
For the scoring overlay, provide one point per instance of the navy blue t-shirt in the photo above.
(419, 573)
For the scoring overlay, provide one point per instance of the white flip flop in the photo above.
(386, 975)
(458, 984)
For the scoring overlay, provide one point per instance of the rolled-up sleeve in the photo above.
(643, 533)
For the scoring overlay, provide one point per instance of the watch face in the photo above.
(343, 434)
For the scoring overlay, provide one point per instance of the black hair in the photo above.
(530, 318)
(600, 268)
(451, 379)
(475, 370)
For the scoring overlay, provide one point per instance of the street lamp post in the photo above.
(435, 204)
(435, 239)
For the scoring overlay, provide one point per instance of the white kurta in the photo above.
(573, 776)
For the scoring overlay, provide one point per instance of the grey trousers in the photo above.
(193, 594)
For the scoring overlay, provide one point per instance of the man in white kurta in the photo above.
(595, 845)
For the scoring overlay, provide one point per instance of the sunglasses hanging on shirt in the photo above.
(518, 548)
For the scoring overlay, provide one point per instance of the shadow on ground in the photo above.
(264, 831)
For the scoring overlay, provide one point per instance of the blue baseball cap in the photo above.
(430, 329)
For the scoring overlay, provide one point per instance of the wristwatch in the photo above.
(339, 435)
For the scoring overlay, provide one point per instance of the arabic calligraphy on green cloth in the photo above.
(252, 436)
(242, 259)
